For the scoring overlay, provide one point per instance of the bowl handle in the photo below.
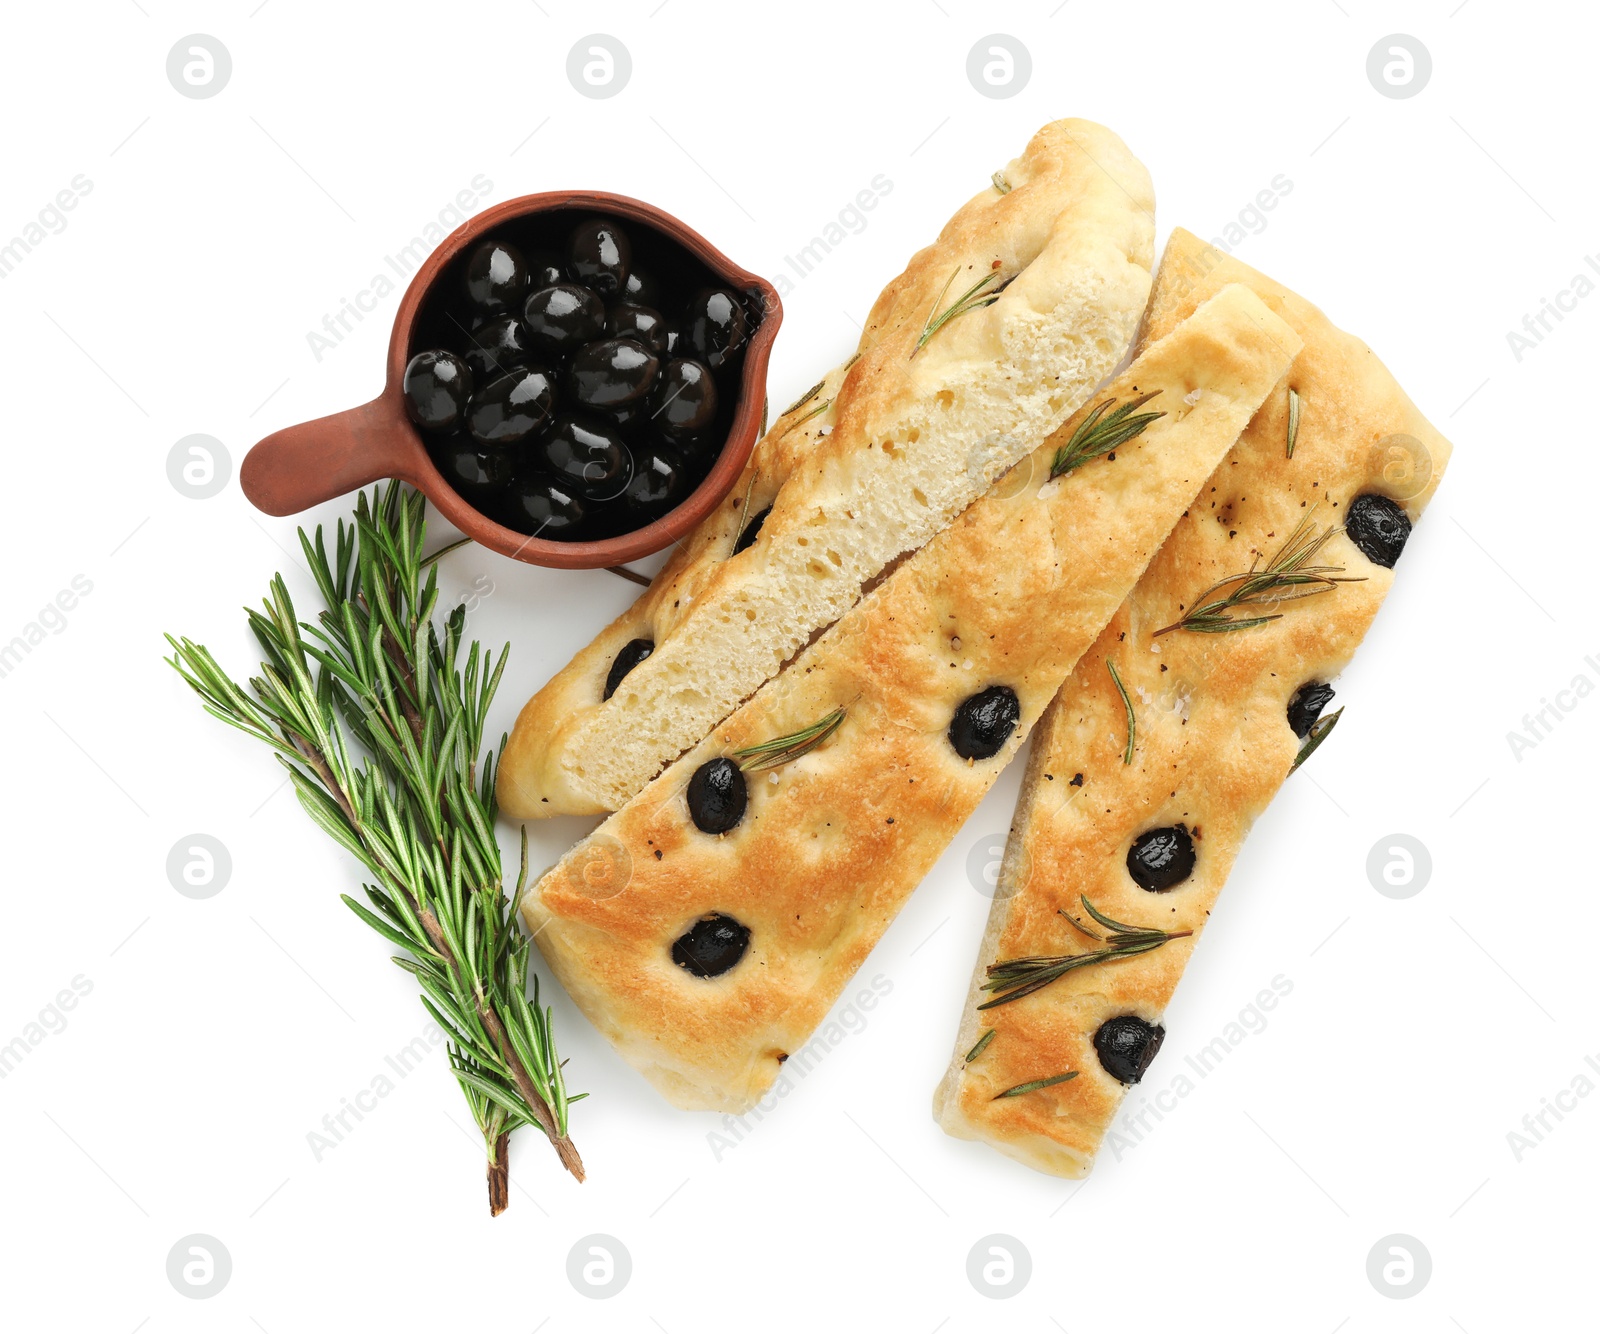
(305, 465)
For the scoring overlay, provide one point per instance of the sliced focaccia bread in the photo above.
(1178, 727)
(708, 925)
(990, 337)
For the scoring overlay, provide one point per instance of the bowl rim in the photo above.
(742, 431)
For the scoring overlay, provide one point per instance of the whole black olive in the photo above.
(685, 400)
(628, 418)
(984, 722)
(496, 276)
(629, 656)
(499, 344)
(1126, 1046)
(476, 473)
(437, 386)
(712, 945)
(1307, 705)
(717, 796)
(1379, 527)
(541, 507)
(1161, 858)
(586, 454)
(599, 256)
(752, 530)
(611, 373)
(715, 326)
(507, 410)
(641, 289)
(562, 317)
(544, 268)
(658, 483)
(643, 324)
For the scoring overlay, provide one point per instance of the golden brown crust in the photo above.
(907, 439)
(1214, 743)
(833, 843)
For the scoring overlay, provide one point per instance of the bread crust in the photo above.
(907, 438)
(1214, 742)
(833, 843)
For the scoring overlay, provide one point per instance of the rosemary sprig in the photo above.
(978, 1046)
(1294, 423)
(380, 725)
(1289, 569)
(1127, 755)
(1033, 1085)
(1315, 737)
(781, 750)
(806, 397)
(969, 300)
(1000, 182)
(1015, 978)
(1102, 431)
(815, 412)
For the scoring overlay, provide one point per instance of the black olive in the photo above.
(658, 483)
(1127, 1045)
(599, 256)
(476, 473)
(611, 373)
(499, 344)
(496, 276)
(1307, 705)
(541, 507)
(715, 326)
(712, 945)
(641, 289)
(544, 268)
(629, 656)
(752, 530)
(506, 411)
(437, 386)
(717, 796)
(643, 324)
(562, 317)
(685, 398)
(1379, 527)
(984, 722)
(586, 454)
(1161, 858)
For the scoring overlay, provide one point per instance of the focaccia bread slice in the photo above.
(707, 927)
(1220, 718)
(991, 336)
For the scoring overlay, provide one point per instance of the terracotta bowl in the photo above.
(305, 465)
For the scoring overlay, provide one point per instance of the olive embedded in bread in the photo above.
(496, 276)
(562, 317)
(685, 401)
(1379, 527)
(752, 530)
(611, 373)
(644, 324)
(712, 945)
(1307, 705)
(599, 256)
(1160, 859)
(476, 473)
(984, 722)
(717, 796)
(1126, 1045)
(437, 386)
(658, 483)
(586, 454)
(541, 507)
(715, 326)
(499, 344)
(629, 656)
(508, 410)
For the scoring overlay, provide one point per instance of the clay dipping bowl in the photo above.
(316, 461)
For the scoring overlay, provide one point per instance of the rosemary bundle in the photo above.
(380, 725)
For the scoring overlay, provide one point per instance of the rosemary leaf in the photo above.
(1294, 423)
(1034, 1084)
(783, 749)
(979, 1045)
(1127, 755)
(806, 397)
(969, 300)
(1000, 182)
(1315, 737)
(1102, 431)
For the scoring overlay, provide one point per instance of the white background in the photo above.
(217, 1034)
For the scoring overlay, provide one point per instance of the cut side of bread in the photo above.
(1054, 272)
(874, 720)
(1214, 739)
